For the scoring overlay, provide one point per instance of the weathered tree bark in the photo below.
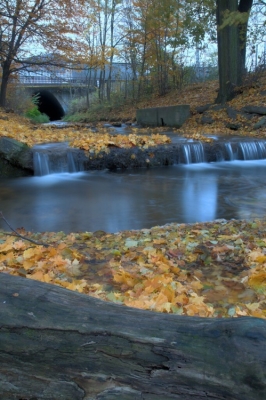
(243, 7)
(228, 52)
(57, 344)
(4, 82)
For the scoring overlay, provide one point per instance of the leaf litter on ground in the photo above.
(78, 136)
(215, 269)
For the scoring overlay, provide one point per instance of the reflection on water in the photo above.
(114, 201)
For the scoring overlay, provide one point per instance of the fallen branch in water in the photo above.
(21, 236)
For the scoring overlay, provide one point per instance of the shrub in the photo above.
(36, 116)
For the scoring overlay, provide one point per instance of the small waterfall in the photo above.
(252, 150)
(229, 154)
(54, 158)
(193, 153)
(41, 164)
(71, 162)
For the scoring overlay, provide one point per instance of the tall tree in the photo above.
(105, 33)
(29, 28)
(232, 21)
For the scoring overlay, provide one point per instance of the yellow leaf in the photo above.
(32, 252)
(162, 267)
(38, 276)
(253, 306)
(258, 280)
(196, 285)
(261, 259)
(8, 245)
(125, 278)
(19, 245)
(28, 265)
(160, 241)
(169, 292)
(58, 261)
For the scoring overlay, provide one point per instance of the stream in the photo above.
(136, 199)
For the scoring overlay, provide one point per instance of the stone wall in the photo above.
(173, 116)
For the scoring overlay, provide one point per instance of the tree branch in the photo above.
(21, 236)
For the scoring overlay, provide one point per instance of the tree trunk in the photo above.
(4, 83)
(231, 48)
(228, 52)
(57, 344)
(244, 7)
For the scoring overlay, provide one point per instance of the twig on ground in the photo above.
(21, 236)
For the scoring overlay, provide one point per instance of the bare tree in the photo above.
(30, 28)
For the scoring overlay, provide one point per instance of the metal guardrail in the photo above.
(43, 80)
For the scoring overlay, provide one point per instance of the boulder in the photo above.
(17, 153)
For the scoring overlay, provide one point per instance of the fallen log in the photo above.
(57, 344)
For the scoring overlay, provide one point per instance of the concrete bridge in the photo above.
(57, 86)
(55, 95)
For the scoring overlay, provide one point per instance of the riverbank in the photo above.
(236, 116)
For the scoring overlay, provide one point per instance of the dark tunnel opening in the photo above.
(49, 105)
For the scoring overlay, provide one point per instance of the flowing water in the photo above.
(114, 201)
(54, 158)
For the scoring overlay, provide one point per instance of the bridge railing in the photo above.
(45, 80)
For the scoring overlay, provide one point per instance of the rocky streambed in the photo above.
(19, 159)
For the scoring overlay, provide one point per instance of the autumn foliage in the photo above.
(210, 270)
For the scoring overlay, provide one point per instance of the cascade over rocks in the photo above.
(61, 158)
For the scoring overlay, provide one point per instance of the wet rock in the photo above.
(249, 116)
(207, 120)
(18, 154)
(217, 107)
(8, 170)
(254, 110)
(260, 124)
(233, 126)
(202, 109)
(231, 112)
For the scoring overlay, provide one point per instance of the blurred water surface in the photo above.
(115, 201)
